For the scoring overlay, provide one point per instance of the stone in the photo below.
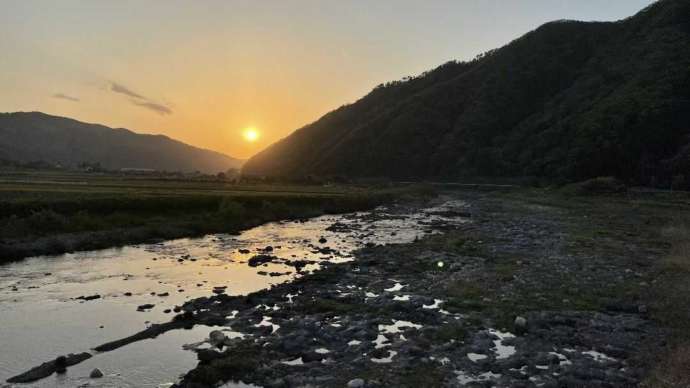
(520, 325)
(96, 374)
(260, 259)
(355, 383)
(217, 338)
(90, 297)
(144, 307)
(61, 364)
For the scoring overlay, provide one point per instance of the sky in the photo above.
(204, 71)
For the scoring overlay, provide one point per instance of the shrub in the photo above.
(231, 210)
(46, 221)
(600, 185)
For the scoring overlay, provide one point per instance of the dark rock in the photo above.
(520, 325)
(144, 307)
(260, 260)
(59, 365)
(96, 374)
(312, 356)
(90, 297)
(208, 355)
(217, 338)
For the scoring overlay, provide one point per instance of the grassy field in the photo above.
(53, 212)
(662, 219)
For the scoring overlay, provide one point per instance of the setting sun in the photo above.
(250, 134)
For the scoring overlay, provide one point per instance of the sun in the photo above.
(250, 134)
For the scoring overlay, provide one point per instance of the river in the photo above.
(42, 315)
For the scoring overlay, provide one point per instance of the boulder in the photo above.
(520, 325)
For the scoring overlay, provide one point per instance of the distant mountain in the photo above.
(35, 136)
(569, 100)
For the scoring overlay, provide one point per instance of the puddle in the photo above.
(435, 305)
(465, 378)
(397, 326)
(396, 287)
(474, 357)
(502, 351)
(295, 362)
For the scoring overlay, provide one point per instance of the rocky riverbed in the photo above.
(513, 292)
(116, 292)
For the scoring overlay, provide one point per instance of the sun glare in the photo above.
(250, 134)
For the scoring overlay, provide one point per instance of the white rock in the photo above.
(355, 383)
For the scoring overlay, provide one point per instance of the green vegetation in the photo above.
(55, 212)
(594, 186)
(672, 306)
(564, 102)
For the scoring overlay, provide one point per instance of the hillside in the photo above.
(35, 136)
(569, 100)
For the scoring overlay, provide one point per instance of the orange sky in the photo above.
(203, 71)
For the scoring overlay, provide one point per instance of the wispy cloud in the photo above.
(119, 88)
(139, 100)
(154, 106)
(65, 97)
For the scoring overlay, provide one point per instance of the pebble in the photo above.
(520, 325)
(96, 374)
(355, 383)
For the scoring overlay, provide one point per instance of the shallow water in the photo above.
(40, 317)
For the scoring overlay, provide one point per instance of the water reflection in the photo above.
(41, 317)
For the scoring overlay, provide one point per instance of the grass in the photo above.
(672, 308)
(55, 212)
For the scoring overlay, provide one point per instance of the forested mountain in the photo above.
(35, 136)
(569, 100)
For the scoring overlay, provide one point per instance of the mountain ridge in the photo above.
(37, 136)
(569, 100)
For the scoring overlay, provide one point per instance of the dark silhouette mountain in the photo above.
(35, 136)
(569, 100)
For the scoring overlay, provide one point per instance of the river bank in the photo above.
(39, 218)
(120, 291)
(442, 311)
(531, 289)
